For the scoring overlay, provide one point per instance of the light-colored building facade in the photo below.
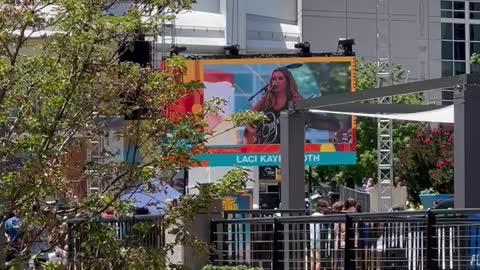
(256, 26)
(411, 27)
(414, 30)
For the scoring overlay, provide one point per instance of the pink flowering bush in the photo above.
(427, 161)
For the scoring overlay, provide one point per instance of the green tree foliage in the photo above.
(61, 84)
(475, 59)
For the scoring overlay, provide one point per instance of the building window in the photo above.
(453, 9)
(475, 32)
(475, 45)
(460, 38)
(474, 11)
(453, 48)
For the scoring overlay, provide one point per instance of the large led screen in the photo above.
(267, 85)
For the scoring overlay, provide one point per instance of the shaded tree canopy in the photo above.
(61, 88)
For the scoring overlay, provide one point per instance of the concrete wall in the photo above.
(415, 30)
(212, 6)
(256, 26)
(279, 9)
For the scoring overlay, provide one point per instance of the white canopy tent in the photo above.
(442, 115)
(467, 131)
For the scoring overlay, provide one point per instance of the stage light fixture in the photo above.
(346, 45)
(232, 49)
(304, 48)
(176, 50)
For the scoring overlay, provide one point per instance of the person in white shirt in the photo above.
(58, 256)
(322, 207)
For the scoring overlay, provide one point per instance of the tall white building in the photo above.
(255, 25)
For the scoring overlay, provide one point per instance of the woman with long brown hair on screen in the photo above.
(281, 89)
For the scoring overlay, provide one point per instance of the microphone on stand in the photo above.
(290, 66)
(265, 88)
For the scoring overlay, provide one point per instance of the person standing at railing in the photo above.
(364, 184)
(350, 206)
(361, 238)
(110, 212)
(370, 186)
(317, 234)
(337, 207)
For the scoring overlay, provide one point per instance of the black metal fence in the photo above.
(262, 213)
(124, 227)
(436, 239)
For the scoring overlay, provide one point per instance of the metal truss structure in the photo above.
(384, 126)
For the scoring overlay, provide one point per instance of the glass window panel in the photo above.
(475, 32)
(447, 14)
(474, 48)
(447, 68)
(475, 15)
(447, 31)
(475, 6)
(459, 5)
(459, 68)
(446, 5)
(459, 31)
(459, 15)
(447, 97)
(475, 68)
(459, 50)
(447, 50)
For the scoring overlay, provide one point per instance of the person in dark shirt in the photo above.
(14, 235)
(12, 228)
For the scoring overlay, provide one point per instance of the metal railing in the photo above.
(363, 198)
(124, 227)
(262, 213)
(435, 239)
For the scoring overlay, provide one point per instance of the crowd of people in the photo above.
(368, 184)
(336, 233)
